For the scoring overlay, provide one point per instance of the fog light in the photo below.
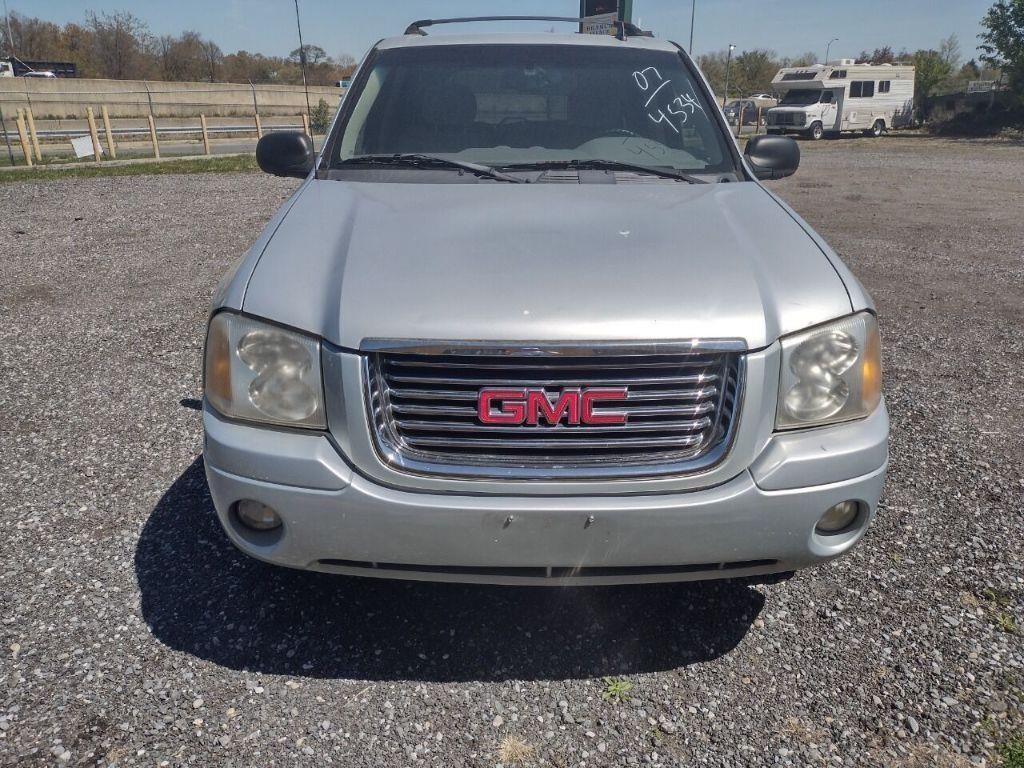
(257, 515)
(838, 518)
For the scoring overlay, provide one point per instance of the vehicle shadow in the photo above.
(202, 596)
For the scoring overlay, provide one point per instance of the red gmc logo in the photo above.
(531, 406)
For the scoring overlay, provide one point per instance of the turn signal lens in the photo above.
(218, 366)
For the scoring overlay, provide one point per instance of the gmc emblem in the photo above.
(531, 406)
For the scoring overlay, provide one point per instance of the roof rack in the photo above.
(625, 28)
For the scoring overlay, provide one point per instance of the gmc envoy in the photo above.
(532, 318)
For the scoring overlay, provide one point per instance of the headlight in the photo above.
(260, 372)
(831, 373)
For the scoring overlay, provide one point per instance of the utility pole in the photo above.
(302, 55)
(693, 16)
(728, 65)
(829, 47)
(10, 37)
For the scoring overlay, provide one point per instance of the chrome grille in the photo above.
(680, 409)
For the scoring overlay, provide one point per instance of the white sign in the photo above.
(600, 25)
(83, 146)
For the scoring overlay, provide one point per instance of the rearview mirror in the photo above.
(286, 153)
(773, 157)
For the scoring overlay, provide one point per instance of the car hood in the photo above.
(543, 262)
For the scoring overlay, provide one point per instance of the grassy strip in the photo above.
(1012, 753)
(228, 164)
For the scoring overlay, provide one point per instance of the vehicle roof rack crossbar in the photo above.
(625, 28)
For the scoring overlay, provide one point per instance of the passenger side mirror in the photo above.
(286, 153)
(773, 157)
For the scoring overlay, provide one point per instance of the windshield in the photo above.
(513, 105)
(801, 98)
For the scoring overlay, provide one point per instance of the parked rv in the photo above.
(827, 99)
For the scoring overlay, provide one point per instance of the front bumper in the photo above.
(759, 522)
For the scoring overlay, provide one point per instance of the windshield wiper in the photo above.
(612, 165)
(417, 160)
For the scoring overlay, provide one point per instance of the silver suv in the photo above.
(532, 318)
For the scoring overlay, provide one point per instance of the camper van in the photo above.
(828, 99)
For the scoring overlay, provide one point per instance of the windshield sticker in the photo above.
(683, 106)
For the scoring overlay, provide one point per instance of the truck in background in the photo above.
(15, 67)
(828, 99)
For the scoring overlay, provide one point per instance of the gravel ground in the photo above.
(133, 633)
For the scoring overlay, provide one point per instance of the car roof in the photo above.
(535, 38)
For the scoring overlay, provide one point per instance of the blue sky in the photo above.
(790, 27)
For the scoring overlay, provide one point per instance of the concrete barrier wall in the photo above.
(69, 97)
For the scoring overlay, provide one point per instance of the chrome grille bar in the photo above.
(680, 410)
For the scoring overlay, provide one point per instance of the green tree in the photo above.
(320, 117)
(752, 71)
(883, 55)
(1003, 41)
(713, 66)
(931, 71)
(314, 54)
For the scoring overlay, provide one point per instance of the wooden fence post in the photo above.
(152, 136)
(92, 132)
(305, 124)
(259, 127)
(23, 136)
(206, 135)
(111, 149)
(32, 134)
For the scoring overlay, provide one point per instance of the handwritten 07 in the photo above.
(682, 106)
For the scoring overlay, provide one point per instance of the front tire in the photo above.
(876, 130)
(817, 131)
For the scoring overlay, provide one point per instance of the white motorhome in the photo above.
(827, 99)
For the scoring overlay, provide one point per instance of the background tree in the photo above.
(752, 72)
(314, 54)
(803, 60)
(1003, 41)
(931, 71)
(883, 55)
(949, 51)
(118, 43)
(244, 67)
(713, 67)
(213, 57)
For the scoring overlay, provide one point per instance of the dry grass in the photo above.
(927, 757)
(513, 751)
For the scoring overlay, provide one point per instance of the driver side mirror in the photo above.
(286, 153)
(772, 157)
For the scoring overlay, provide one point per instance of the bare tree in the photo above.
(118, 40)
(214, 58)
(949, 51)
